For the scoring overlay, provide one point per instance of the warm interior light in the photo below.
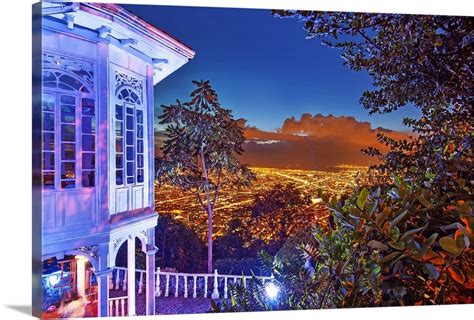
(53, 279)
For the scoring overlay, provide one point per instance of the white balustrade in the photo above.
(215, 290)
(125, 280)
(167, 288)
(220, 283)
(185, 286)
(117, 279)
(157, 289)
(117, 306)
(176, 286)
(225, 287)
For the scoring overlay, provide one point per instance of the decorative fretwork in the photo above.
(92, 251)
(84, 71)
(116, 243)
(144, 234)
(128, 88)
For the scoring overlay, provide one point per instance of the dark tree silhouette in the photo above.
(280, 211)
(179, 245)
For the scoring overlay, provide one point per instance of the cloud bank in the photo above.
(313, 142)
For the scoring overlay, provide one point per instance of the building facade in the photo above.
(99, 66)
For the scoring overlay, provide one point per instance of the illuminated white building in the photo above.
(99, 65)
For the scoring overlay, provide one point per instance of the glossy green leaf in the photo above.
(449, 244)
(362, 198)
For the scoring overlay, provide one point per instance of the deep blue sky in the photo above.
(262, 67)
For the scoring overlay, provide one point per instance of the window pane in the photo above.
(88, 143)
(88, 125)
(130, 180)
(129, 138)
(124, 93)
(68, 151)
(48, 76)
(119, 177)
(68, 114)
(68, 170)
(48, 180)
(140, 131)
(119, 128)
(48, 121)
(88, 161)
(68, 132)
(119, 161)
(129, 153)
(129, 122)
(88, 107)
(140, 146)
(130, 168)
(66, 81)
(129, 110)
(50, 84)
(48, 102)
(139, 116)
(88, 179)
(48, 161)
(140, 177)
(70, 184)
(134, 97)
(48, 141)
(118, 112)
(68, 99)
(140, 160)
(118, 145)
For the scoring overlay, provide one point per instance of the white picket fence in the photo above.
(181, 284)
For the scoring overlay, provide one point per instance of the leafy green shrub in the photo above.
(424, 240)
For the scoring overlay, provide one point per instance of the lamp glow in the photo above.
(271, 290)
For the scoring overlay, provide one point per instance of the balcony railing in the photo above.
(177, 284)
(118, 306)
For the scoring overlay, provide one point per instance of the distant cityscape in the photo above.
(183, 206)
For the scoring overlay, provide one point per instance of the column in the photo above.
(131, 275)
(103, 274)
(150, 271)
(81, 276)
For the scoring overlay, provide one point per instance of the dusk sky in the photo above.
(262, 67)
(266, 71)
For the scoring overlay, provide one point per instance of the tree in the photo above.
(200, 151)
(279, 212)
(426, 61)
(407, 240)
(180, 246)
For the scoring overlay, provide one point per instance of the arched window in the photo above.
(68, 146)
(129, 131)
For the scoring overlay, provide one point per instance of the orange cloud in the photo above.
(312, 142)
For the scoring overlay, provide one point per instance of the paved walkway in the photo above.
(169, 305)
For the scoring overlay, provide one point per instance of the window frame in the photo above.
(135, 106)
(78, 135)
